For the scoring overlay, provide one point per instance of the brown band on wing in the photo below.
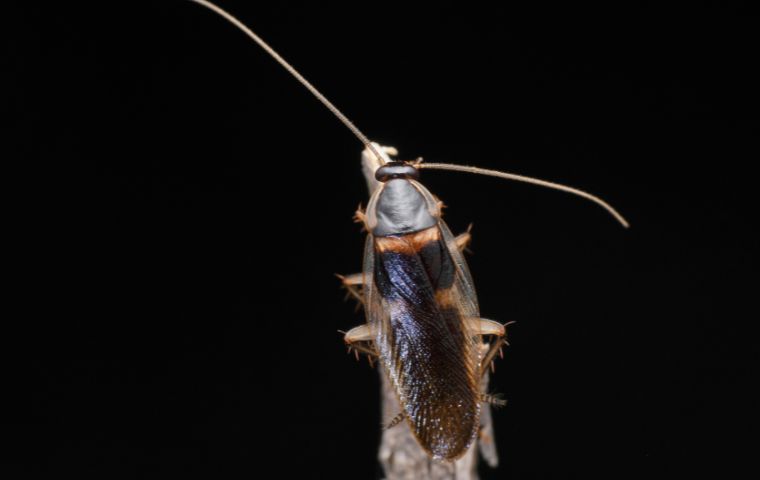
(408, 244)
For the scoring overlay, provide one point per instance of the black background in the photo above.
(182, 204)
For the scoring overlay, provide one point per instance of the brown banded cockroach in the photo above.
(423, 322)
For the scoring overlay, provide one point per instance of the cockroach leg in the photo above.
(493, 350)
(494, 400)
(362, 333)
(368, 351)
(463, 240)
(395, 421)
(352, 283)
(360, 217)
(359, 338)
(353, 279)
(484, 326)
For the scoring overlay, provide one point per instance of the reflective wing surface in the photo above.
(467, 296)
(417, 299)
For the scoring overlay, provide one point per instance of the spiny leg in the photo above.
(359, 339)
(362, 333)
(494, 400)
(488, 352)
(361, 217)
(483, 327)
(395, 421)
(489, 357)
(463, 239)
(352, 283)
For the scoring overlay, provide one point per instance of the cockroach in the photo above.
(423, 322)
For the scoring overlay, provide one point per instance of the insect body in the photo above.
(423, 321)
(422, 314)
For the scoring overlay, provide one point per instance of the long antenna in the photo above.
(230, 18)
(531, 180)
(368, 144)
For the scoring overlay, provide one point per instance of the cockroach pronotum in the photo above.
(423, 322)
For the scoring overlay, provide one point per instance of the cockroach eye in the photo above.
(396, 170)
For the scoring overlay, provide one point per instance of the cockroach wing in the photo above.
(470, 300)
(468, 297)
(418, 300)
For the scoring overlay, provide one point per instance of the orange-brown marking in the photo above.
(410, 243)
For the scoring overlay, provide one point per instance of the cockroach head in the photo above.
(393, 170)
